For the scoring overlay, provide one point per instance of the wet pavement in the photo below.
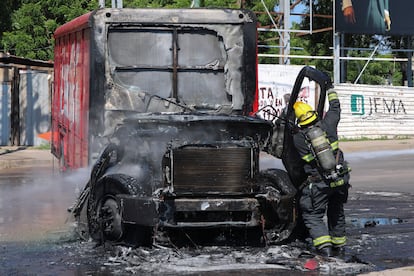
(37, 234)
(34, 202)
(25, 157)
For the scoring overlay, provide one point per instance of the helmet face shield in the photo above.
(304, 113)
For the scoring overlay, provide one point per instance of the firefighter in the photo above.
(326, 187)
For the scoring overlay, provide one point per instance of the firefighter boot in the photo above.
(338, 251)
(326, 251)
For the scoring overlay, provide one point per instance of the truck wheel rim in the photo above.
(111, 221)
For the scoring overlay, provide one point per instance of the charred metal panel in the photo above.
(150, 54)
(221, 222)
(215, 204)
(210, 212)
(159, 61)
(138, 210)
(212, 170)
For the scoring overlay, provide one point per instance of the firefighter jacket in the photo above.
(328, 124)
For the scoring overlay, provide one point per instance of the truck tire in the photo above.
(277, 205)
(104, 210)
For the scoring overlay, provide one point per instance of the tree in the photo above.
(33, 24)
(29, 35)
(7, 7)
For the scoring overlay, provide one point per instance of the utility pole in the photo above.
(115, 4)
(336, 51)
(284, 41)
(337, 60)
(409, 63)
(197, 3)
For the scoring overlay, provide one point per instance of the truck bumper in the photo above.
(190, 212)
(138, 210)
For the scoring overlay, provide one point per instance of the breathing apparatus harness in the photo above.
(321, 149)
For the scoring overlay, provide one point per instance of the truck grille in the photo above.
(211, 170)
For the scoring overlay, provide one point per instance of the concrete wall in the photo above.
(376, 111)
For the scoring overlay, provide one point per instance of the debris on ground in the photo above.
(160, 259)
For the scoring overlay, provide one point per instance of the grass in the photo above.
(43, 147)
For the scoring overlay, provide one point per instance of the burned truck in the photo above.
(158, 104)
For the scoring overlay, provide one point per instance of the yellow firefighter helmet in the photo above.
(304, 113)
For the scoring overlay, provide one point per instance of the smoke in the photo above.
(33, 204)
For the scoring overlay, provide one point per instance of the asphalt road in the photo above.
(36, 234)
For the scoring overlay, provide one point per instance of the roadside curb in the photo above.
(377, 145)
(402, 271)
(23, 157)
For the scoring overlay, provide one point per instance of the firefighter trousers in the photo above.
(322, 197)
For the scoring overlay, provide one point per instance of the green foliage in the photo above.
(269, 41)
(63, 11)
(33, 23)
(143, 4)
(376, 73)
(29, 36)
(7, 7)
(43, 146)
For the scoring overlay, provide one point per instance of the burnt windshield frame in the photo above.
(215, 65)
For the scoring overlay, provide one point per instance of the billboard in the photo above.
(386, 17)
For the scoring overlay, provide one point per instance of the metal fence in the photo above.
(24, 109)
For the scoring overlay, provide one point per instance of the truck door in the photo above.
(290, 156)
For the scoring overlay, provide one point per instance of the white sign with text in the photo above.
(275, 86)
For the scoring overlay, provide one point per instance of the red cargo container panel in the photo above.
(70, 99)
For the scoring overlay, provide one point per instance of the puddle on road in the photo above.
(372, 222)
(33, 205)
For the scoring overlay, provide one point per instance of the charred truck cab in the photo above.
(157, 103)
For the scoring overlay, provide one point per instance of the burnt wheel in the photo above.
(104, 210)
(277, 195)
(111, 221)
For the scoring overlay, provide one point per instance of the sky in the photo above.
(301, 8)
